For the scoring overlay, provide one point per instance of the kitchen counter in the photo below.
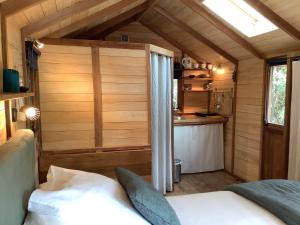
(197, 120)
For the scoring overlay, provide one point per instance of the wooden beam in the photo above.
(195, 34)
(116, 21)
(222, 26)
(274, 18)
(14, 6)
(60, 15)
(92, 18)
(151, 4)
(93, 43)
(171, 41)
(97, 96)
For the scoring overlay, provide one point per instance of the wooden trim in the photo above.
(104, 163)
(9, 96)
(103, 27)
(151, 4)
(275, 18)
(195, 34)
(288, 103)
(171, 41)
(93, 43)
(161, 51)
(89, 19)
(60, 15)
(97, 96)
(234, 117)
(261, 159)
(222, 26)
(97, 149)
(14, 6)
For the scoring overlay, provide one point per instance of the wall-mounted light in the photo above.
(220, 70)
(39, 44)
(31, 113)
(36, 43)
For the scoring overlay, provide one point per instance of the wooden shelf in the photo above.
(197, 91)
(207, 70)
(8, 96)
(199, 79)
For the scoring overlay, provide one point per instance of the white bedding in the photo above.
(220, 208)
(214, 208)
(73, 197)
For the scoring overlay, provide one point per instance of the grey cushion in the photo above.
(150, 203)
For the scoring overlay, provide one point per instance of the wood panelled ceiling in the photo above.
(267, 44)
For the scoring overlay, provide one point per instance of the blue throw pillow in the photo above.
(150, 203)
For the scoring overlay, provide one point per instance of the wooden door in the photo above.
(276, 120)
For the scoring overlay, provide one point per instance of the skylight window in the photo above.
(241, 15)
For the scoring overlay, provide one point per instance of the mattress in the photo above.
(214, 208)
(220, 208)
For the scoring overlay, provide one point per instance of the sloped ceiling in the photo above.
(273, 42)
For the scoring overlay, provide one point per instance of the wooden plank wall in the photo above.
(140, 34)
(195, 101)
(66, 97)
(124, 97)
(14, 45)
(224, 82)
(94, 131)
(249, 119)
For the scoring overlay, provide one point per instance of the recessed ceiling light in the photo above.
(242, 16)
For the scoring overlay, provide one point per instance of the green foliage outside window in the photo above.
(276, 109)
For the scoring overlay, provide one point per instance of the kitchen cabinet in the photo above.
(199, 147)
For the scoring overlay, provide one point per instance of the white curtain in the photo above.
(294, 155)
(161, 88)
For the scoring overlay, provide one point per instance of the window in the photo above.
(241, 15)
(175, 94)
(276, 94)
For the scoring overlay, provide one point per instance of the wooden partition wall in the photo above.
(95, 106)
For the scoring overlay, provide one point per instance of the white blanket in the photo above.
(214, 208)
(220, 208)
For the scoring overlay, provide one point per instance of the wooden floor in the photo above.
(203, 182)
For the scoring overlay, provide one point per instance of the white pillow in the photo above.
(78, 197)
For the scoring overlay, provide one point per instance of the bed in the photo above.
(17, 172)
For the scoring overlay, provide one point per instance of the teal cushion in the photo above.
(150, 203)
